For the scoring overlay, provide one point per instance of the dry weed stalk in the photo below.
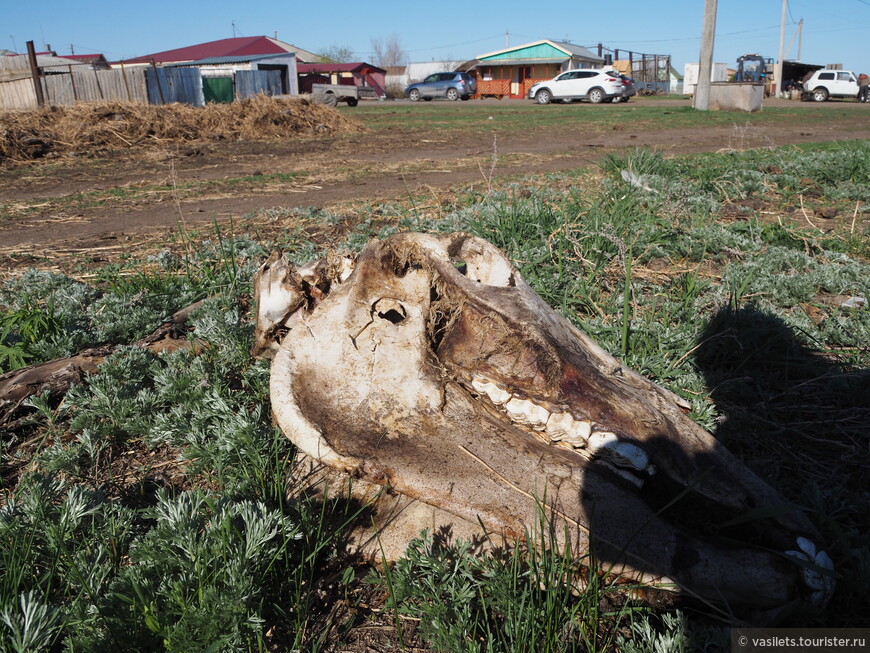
(26, 135)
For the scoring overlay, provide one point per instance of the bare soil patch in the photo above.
(105, 195)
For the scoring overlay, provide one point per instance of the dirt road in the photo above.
(88, 202)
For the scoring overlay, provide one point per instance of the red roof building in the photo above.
(232, 47)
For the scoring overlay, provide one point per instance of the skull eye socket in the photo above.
(390, 310)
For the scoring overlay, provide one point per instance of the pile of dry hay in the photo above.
(99, 127)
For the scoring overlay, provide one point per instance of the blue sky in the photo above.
(835, 31)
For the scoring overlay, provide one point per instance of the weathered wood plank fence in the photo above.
(82, 85)
(70, 84)
(63, 85)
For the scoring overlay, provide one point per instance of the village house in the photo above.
(512, 71)
(240, 46)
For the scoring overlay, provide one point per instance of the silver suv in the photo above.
(582, 84)
(452, 86)
(824, 84)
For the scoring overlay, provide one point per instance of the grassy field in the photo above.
(153, 507)
(516, 115)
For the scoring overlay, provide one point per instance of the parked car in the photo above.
(581, 84)
(452, 86)
(628, 89)
(824, 84)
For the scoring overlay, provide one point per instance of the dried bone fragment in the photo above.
(56, 376)
(432, 368)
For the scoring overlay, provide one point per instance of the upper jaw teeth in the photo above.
(527, 413)
(564, 427)
(620, 453)
(486, 387)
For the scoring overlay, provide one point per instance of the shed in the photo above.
(224, 79)
(351, 74)
(512, 71)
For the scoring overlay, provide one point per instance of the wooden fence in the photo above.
(71, 84)
(17, 94)
(501, 88)
(493, 87)
(77, 85)
(167, 85)
(74, 84)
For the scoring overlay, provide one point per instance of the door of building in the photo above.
(518, 87)
(217, 89)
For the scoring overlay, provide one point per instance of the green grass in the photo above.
(582, 117)
(149, 508)
(523, 599)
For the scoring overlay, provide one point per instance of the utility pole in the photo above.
(507, 38)
(34, 73)
(777, 69)
(705, 67)
(800, 38)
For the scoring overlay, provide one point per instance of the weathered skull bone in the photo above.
(434, 369)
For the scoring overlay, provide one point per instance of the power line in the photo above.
(454, 45)
(758, 30)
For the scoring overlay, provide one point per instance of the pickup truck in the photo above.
(332, 94)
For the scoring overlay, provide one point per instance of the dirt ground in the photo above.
(323, 172)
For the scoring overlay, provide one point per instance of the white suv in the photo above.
(831, 83)
(581, 84)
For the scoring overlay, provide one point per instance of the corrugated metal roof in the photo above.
(517, 62)
(232, 47)
(85, 57)
(579, 51)
(213, 61)
(571, 51)
(21, 62)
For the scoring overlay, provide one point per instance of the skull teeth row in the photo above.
(563, 427)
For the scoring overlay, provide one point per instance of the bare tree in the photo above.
(389, 52)
(336, 54)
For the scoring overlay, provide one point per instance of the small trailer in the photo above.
(332, 94)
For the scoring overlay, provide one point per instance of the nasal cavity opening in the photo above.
(390, 310)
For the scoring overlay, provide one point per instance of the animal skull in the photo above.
(435, 370)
